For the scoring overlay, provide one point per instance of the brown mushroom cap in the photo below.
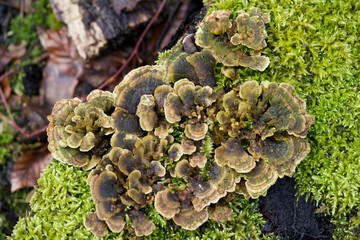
(163, 129)
(142, 225)
(137, 183)
(281, 110)
(251, 30)
(204, 97)
(196, 131)
(220, 213)
(260, 179)
(96, 226)
(222, 181)
(166, 203)
(186, 91)
(138, 82)
(182, 168)
(157, 168)
(282, 152)
(190, 219)
(160, 95)
(177, 67)
(232, 154)
(187, 146)
(145, 111)
(175, 152)
(219, 21)
(204, 65)
(173, 108)
(250, 91)
(128, 162)
(198, 159)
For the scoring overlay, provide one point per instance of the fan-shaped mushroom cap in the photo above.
(157, 168)
(284, 111)
(173, 108)
(204, 65)
(182, 168)
(260, 179)
(137, 183)
(116, 223)
(95, 160)
(138, 82)
(282, 152)
(128, 162)
(160, 95)
(163, 130)
(222, 181)
(187, 146)
(196, 131)
(220, 213)
(101, 99)
(126, 122)
(231, 102)
(251, 29)
(186, 91)
(198, 159)
(177, 67)
(96, 226)
(142, 225)
(250, 91)
(166, 203)
(233, 155)
(175, 152)
(204, 97)
(190, 219)
(219, 21)
(145, 111)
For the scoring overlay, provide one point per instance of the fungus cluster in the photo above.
(159, 126)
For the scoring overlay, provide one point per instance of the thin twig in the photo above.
(134, 52)
(11, 121)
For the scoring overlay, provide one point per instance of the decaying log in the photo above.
(95, 24)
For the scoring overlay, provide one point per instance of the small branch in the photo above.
(134, 52)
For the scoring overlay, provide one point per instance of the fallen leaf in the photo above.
(57, 85)
(28, 167)
(6, 88)
(17, 51)
(5, 59)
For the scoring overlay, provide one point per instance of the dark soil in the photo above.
(290, 218)
(31, 80)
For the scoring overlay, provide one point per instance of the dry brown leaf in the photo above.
(65, 69)
(57, 85)
(27, 169)
(6, 88)
(5, 59)
(17, 51)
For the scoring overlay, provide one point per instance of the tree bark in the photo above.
(96, 24)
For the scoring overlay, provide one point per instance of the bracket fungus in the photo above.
(221, 35)
(166, 137)
(77, 132)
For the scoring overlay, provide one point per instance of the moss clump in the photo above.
(59, 205)
(314, 46)
(24, 28)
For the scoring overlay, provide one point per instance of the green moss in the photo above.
(59, 206)
(24, 28)
(314, 45)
